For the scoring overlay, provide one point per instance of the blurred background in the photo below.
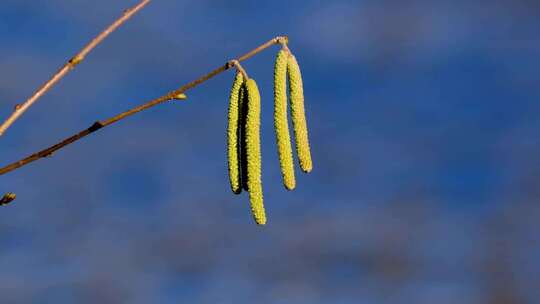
(424, 121)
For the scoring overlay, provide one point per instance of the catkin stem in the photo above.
(239, 68)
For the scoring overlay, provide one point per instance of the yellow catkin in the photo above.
(233, 150)
(281, 125)
(298, 114)
(253, 149)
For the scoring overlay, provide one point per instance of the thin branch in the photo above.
(70, 65)
(176, 94)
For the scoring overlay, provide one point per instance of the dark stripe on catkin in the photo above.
(242, 136)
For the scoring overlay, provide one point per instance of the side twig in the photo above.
(70, 65)
(173, 95)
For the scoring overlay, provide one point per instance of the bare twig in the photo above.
(70, 65)
(176, 94)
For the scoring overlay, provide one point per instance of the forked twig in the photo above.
(173, 95)
(70, 65)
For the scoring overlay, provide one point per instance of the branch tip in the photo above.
(282, 39)
(7, 198)
(70, 65)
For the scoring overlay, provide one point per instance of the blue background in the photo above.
(424, 121)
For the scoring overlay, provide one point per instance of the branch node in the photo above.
(7, 198)
(282, 40)
(235, 63)
(96, 126)
(73, 62)
(179, 96)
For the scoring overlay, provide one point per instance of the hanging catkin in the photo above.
(281, 125)
(298, 114)
(233, 149)
(253, 149)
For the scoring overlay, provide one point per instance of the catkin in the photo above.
(233, 151)
(298, 114)
(253, 149)
(281, 125)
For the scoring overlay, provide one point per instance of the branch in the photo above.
(70, 65)
(173, 95)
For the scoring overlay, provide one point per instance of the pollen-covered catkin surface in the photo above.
(233, 149)
(253, 147)
(299, 115)
(281, 126)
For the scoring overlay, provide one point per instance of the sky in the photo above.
(423, 120)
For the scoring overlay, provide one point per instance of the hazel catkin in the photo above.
(233, 149)
(281, 126)
(298, 114)
(253, 149)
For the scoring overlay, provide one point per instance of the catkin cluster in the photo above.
(243, 131)
(285, 67)
(244, 143)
